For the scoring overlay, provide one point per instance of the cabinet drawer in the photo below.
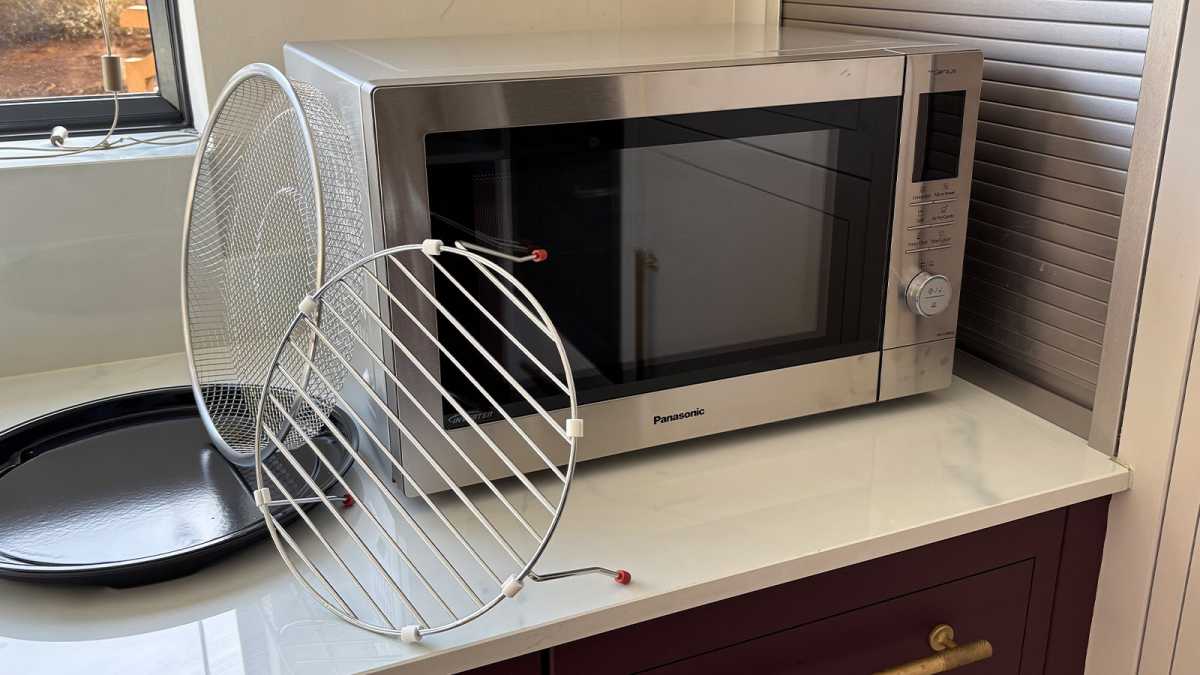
(990, 606)
(1015, 585)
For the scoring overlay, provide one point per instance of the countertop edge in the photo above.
(535, 638)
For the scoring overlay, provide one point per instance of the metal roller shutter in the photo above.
(1061, 80)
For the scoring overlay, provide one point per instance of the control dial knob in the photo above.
(928, 294)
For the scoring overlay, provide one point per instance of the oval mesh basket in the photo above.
(275, 206)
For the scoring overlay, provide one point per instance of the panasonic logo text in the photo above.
(663, 419)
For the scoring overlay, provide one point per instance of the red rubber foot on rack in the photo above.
(539, 254)
(347, 502)
(623, 577)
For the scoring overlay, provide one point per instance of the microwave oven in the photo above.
(744, 224)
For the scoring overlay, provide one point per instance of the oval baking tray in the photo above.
(127, 490)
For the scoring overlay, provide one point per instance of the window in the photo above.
(51, 54)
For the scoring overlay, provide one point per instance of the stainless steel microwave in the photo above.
(744, 223)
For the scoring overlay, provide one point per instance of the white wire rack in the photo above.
(416, 566)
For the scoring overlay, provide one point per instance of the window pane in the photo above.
(52, 48)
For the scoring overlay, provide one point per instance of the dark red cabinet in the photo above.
(987, 606)
(529, 664)
(1027, 587)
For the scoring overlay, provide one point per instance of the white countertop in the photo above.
(695, 523)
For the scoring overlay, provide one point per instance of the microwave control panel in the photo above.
(937, 141)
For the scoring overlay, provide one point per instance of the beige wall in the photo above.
(232, 33)
(89, 261)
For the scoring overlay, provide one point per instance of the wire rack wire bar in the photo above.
(383, 448)
(503, 288)
(311, 567)
(377, 482)
(446, 435)
(324, 543)
(362, 545)
(482, 310)
(484, 352)
(437, 467)
(456, 405)
(467, 374)
(390, 498)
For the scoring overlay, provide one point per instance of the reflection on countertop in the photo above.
(695, 522)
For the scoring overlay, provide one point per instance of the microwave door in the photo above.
(567, 200)
(683, 248)
(708, 264)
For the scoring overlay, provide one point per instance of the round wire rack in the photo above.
(418, 565)
(274, 206)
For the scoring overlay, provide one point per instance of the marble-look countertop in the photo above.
(695, 522)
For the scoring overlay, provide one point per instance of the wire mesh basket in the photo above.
(274, 206)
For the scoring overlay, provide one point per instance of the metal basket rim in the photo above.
(253, 70)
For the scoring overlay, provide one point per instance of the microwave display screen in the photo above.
(939, 135)
(681, 249)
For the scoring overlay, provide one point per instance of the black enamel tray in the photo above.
(127, 491)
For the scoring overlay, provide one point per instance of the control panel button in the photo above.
(928, 294)
(927, 240)
(932, 214)
(932, 191)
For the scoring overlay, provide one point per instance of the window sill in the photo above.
(132, 153)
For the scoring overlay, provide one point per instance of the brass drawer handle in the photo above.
(947, 655)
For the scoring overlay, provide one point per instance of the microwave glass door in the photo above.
(681, 248)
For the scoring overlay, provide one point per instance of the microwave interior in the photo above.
(681, 248)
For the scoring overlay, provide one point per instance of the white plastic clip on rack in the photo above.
(418, 566)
